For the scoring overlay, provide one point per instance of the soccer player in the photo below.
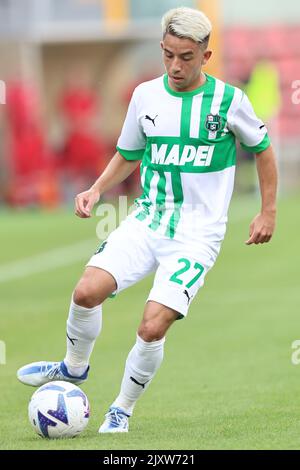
(181, 129)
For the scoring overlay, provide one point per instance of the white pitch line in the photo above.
(52, 259)
(67, 255)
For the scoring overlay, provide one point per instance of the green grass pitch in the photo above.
(227, 381)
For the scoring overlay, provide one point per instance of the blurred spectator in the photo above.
(29, 160)
(82, 156)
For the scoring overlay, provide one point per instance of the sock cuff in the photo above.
(79, 309)
(150, 345)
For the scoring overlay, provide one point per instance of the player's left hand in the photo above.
(261, 228)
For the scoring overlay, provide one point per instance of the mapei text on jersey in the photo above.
(174, 155)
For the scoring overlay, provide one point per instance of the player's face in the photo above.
(183, 59)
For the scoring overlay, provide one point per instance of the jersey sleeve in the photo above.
(248, 128)
(132, 141)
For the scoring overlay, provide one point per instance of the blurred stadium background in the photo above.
(67, 71)
(70, 66)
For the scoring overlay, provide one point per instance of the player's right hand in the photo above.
(84, 202)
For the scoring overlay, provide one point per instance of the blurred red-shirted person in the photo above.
(28, 157)
(82, 156)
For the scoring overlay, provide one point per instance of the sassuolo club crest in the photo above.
(213, 125)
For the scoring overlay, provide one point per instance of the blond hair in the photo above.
(189, 23)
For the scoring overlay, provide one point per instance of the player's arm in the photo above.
(253, 137)
(263, 225)
(116, 171)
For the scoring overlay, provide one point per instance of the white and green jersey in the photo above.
(186, 142)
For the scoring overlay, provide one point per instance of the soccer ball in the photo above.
(59, 409)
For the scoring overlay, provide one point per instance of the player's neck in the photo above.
(198, 83)
(193, 86)
(202, 80)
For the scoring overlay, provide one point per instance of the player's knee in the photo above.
(151, 331)
(84, 297)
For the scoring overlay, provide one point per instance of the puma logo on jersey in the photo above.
(151, 119)
(178, 155)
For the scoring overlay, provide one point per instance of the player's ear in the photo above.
(161, 45)
(206, 56)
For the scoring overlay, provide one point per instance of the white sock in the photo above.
(83, 327)
(142, 362)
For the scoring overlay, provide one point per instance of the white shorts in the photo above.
(133, 251)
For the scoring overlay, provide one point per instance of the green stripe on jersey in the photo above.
(226, 102)
(160, 201)
(144, 199)
(185, 126)
(205, 110)
(185, 120)
(178, 200)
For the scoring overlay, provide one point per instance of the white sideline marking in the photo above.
(2, 352)
(67, 255)
(56, 258)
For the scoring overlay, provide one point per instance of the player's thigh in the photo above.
(126, 254)
(94, 286)
(180, 274)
